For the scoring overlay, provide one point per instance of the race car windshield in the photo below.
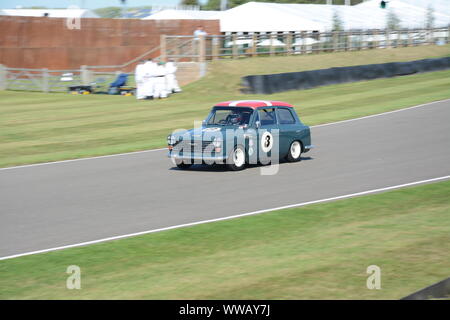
(230, 116)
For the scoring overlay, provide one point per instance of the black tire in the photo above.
(182, 165)
(295, 151)
(237, 154)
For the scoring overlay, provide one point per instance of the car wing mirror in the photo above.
(258, 124)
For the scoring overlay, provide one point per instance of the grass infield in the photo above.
(319, 251)
(38, 127)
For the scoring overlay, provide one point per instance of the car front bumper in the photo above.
(195, 156)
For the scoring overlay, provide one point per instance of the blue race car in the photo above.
(237, 133)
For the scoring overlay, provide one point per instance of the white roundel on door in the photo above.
(266, 141)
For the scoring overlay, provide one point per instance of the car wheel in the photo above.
(182, 165)
(295, 152)
(236, 160)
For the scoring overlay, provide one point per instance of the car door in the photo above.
(268, 132)
(287, 126)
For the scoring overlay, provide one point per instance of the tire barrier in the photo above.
(272, 83)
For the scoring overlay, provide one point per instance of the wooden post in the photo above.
(3, 77)
(45, 80)
(409, 38)
(360, 43)
(364, 40)
(375, 39)
(320, 46)
(348, 41)
(86, 75)
(448, 35)
(201, 48)
(430, 36)
(215, 48)
(303, 46)
(254, 37)
(388, 39)
(334, 41)
(235, 48)
(176, 49)
(271, 52)
(163, 48)
(288, 42)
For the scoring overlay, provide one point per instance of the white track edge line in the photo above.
(379, 114)
(226, 218)
(81, 159)
(160, 149)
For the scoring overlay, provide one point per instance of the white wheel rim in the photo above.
(295, 149)
(238, 157)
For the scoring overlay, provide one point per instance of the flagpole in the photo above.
(124, 6)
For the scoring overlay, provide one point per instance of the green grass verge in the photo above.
(319, 251)
(38, 127)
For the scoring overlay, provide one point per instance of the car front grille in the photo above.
(193, 146)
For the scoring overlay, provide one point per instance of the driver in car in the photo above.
(234, 118)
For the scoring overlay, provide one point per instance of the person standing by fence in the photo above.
(139, 79)
(160, 81)
(171, 80)
(198, 33)
(149, 79)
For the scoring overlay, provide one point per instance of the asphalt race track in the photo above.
(65, 203)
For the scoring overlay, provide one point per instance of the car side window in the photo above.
(285, 116)
(267, 117)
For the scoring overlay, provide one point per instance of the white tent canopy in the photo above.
(282, 17)
(52, 13)
(264, 17)
(240, 42)
(305, 42)
(271, 42)
(411, 13)
(172, 14)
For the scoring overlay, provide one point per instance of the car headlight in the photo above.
(217, 142)
(171, 140)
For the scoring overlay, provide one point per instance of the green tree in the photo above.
(392, 21)
(429, 18)
(189, 2)
(109, 12)
(338, 25)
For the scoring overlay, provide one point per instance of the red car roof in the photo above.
(253, 104)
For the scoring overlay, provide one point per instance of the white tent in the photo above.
(239, 42)
(51, 13)
(284, 17)
(172, 14)
(264, 17)
(281, 17)
(305, 42)
(411, 13)
(271, 42)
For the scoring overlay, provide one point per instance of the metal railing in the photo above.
(130, 64)
(45, 80)
(38, 79)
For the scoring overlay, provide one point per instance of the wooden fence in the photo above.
(190, 48)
